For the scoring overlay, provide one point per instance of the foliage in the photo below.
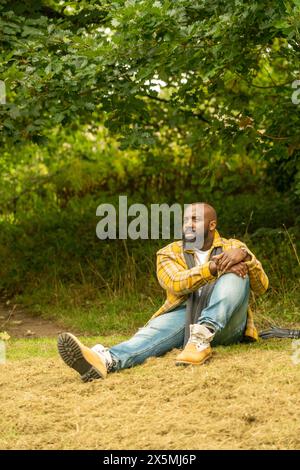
(215, 75)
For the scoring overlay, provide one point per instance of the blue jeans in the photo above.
(226, 313)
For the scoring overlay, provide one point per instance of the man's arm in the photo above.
(173, 277)
(259, 281)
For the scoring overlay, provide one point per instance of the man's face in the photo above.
(195, 225)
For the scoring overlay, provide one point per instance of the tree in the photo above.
(215, 75)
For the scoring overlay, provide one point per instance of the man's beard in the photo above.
(194, 240)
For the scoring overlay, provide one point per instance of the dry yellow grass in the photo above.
(245, 398)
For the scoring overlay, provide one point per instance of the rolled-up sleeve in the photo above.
(259, 281)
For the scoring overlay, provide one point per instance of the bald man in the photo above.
(207, 280)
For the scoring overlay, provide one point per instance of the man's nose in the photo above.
(190, 226)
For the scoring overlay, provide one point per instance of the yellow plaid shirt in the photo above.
(179, 281)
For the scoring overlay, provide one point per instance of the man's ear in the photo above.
(212, 225)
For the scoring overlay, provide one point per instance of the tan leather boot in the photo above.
(197, 349)
(88, 363)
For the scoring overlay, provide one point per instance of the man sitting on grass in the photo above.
(207, 282)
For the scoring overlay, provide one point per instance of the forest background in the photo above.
(160, 101)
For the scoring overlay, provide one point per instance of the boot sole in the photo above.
(80, 358)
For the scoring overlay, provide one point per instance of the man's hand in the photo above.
(213, 268)
(229, 258)
(240, 269)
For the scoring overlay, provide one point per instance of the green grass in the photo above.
(127, 300)
(115, 290)
(279, 306)
(92, 311)
(28, 348)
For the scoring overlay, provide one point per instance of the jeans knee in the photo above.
(233, 281)
(233, 287)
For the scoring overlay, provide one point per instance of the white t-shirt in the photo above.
(201, 257)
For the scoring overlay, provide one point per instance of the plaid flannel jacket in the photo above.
(179, 281)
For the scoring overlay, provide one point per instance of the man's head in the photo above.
(199, 224)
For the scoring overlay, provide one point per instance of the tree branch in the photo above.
(186, 111)
(273, 137)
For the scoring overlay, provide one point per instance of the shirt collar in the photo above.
(217, 241)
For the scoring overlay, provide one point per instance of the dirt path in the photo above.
(245, 398)
(18, 323)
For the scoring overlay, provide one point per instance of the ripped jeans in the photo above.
(226, 313)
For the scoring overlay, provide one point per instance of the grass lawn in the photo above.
(246, 397)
